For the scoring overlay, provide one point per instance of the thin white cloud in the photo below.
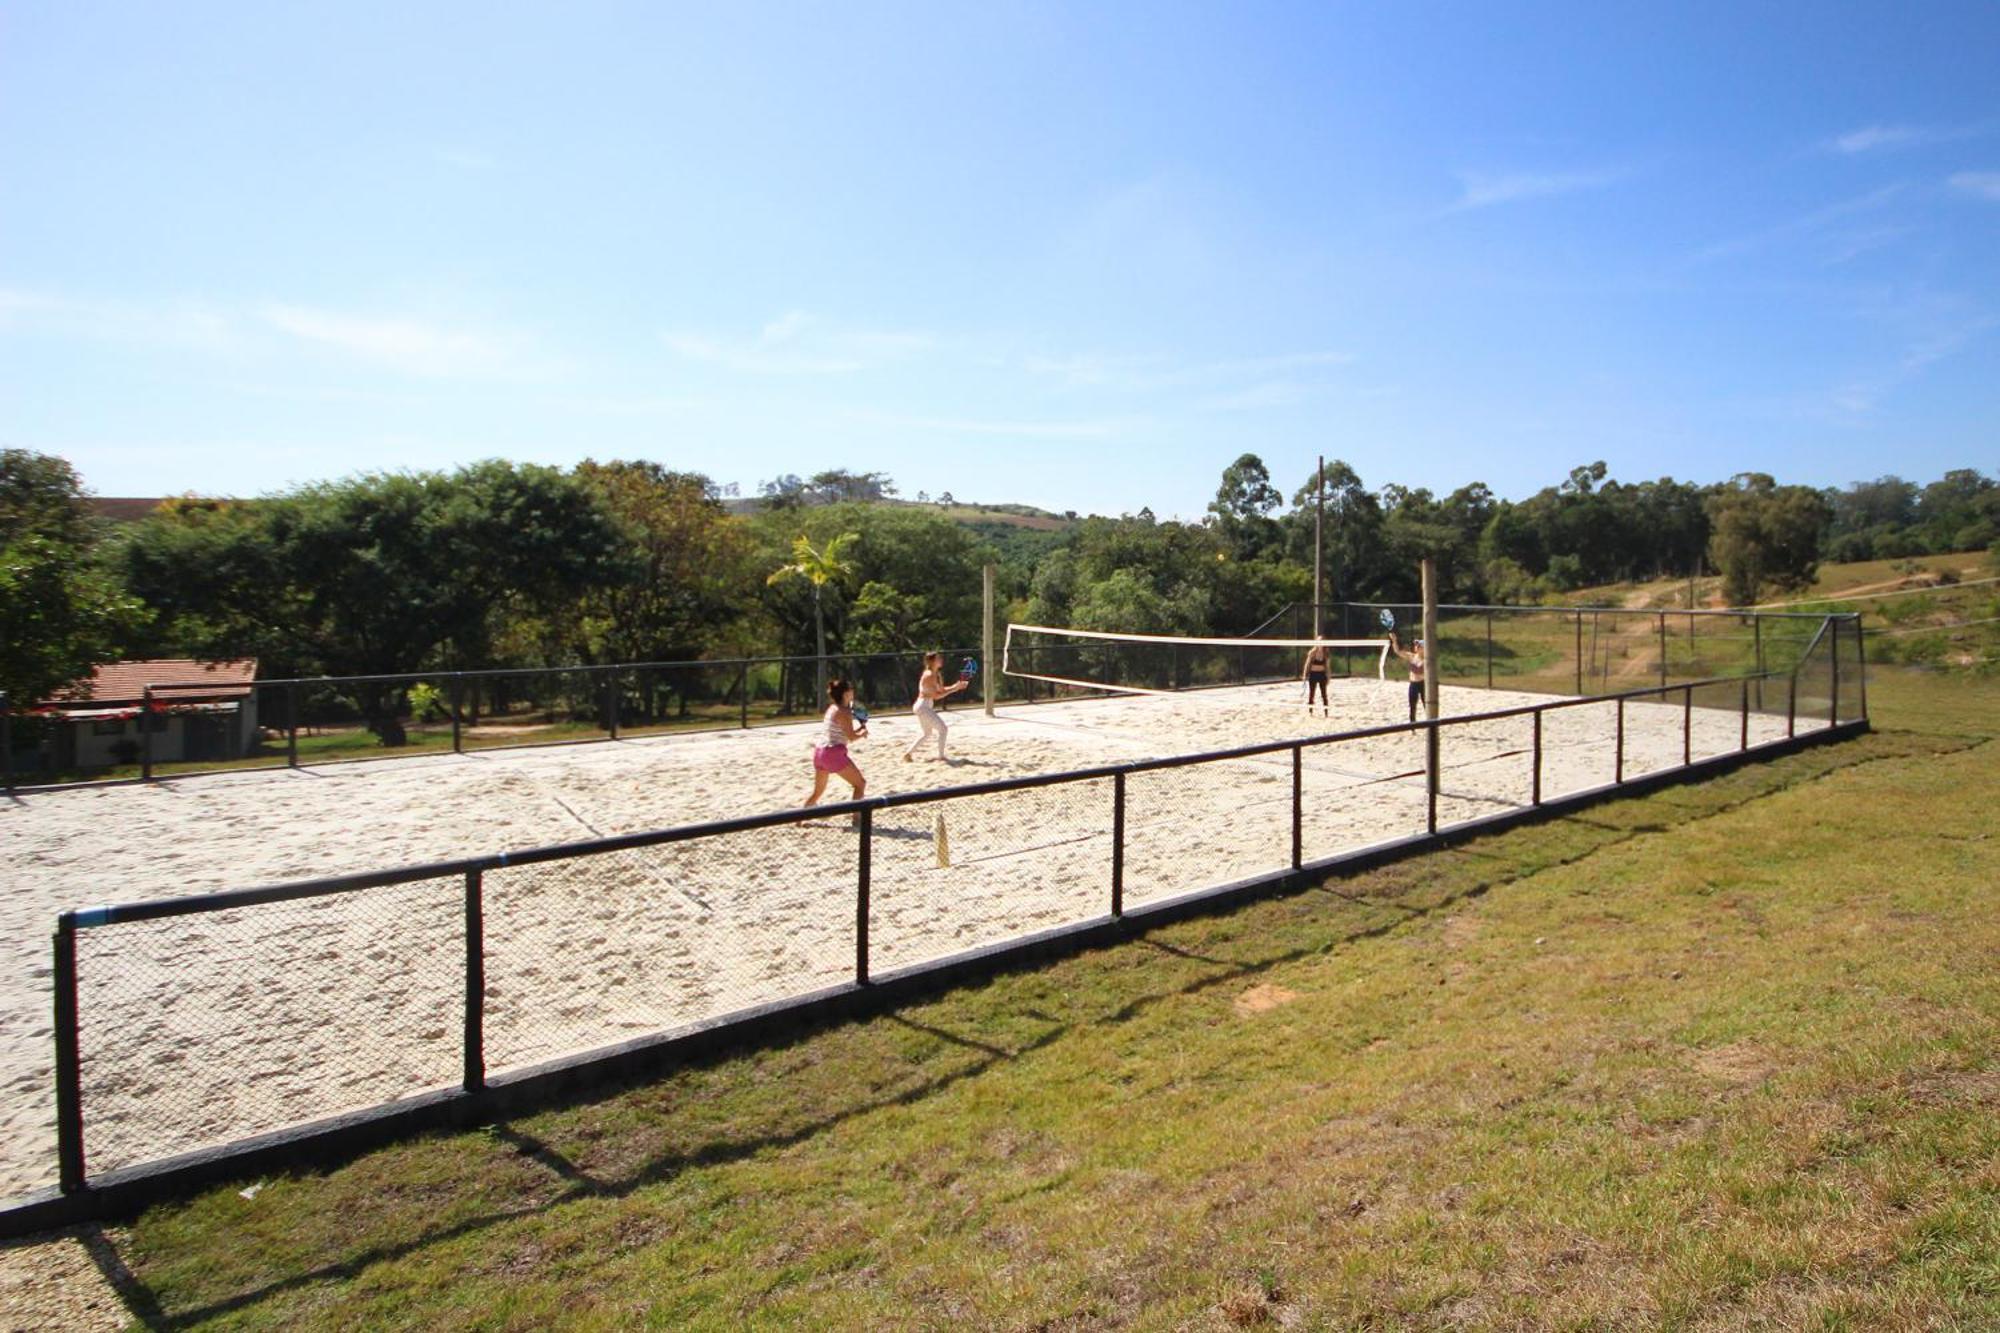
(798, 343)
(170, 323)
(1931, 327)
(1478, 189)
(1258, 397)
(1889, 138)
(407, 345)
(1019, 429)
(1152, 373)
(1984, 184)
(1813, 224)
(1871, 137)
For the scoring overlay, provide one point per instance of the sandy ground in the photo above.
(198, 1030)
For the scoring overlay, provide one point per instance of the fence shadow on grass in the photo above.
(1467, 873)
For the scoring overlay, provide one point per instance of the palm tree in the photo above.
(820, 567)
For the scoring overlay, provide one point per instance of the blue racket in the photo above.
(1387, 617)
(969, 668)
(860, 714)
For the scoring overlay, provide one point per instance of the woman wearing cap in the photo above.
(1414, 656)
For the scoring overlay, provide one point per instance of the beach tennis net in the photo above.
(1081, 660)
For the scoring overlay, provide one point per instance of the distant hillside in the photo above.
(972, 515)
(122, 509)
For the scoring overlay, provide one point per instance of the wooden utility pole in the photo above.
(1319, 523)
(986, 641)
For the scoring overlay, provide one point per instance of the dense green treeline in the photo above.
(503, 564)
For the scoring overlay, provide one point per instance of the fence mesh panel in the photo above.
(1206, 824)
(1716, 720)
(200, 1030)
(1483, 768)
(948, 876)
(1360, 792)
(598, 949)
(1579, 747)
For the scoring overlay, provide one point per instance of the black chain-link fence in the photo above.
(194, 1022)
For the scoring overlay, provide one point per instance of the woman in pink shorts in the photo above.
(830, 755)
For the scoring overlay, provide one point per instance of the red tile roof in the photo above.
(123, 682)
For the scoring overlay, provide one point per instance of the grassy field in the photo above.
(1722, 1057)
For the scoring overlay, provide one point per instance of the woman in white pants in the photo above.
(930, 689)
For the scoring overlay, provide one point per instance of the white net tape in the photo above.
(1162, 663)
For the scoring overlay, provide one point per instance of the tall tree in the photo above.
(818, 566)
(61, 610)
(1243, 504)
(1764, 534)
(688, 564)
(380, 574)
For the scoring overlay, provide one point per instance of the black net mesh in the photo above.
(1484, 768)
(959, 874)
(1198, 825)
(1360, 792)
(598, 949)
(200, 1030)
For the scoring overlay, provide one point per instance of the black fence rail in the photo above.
(331, 719)
(298, 1004)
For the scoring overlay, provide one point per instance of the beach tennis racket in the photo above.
(1387, 617)
(860, 714)
(968, 669)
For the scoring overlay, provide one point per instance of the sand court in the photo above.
(200, 1030)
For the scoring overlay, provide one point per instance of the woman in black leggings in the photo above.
(1414, 656)
(1315, 679)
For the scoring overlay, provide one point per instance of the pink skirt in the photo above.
(830, 758)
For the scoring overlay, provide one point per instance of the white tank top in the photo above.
(833, 732)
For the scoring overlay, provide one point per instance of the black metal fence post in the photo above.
(6, 742)
(1298, 806)
(1861, 664)
(1663, 648)
(1743, 741)
(1792, 705)
(1618, 754)
(1431, 776)
(1489, 650)
(69, 1060)
(291, 726)
(866, 830)
(1833, 693)
(457, 685)
(1687, 725)
(475, 981)
(1118, 844)
(1757, 639)
(146, 733)
(1537, 796)
(743, 693)
(611, 693)
(1579, 654)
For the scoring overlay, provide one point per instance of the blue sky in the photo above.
(1079, 256)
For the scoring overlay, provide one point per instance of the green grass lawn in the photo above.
(1722, 1057)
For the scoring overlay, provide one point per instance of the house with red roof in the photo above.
(193, 710)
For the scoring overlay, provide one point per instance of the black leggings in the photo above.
(1316, 681)
(1416, 697)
